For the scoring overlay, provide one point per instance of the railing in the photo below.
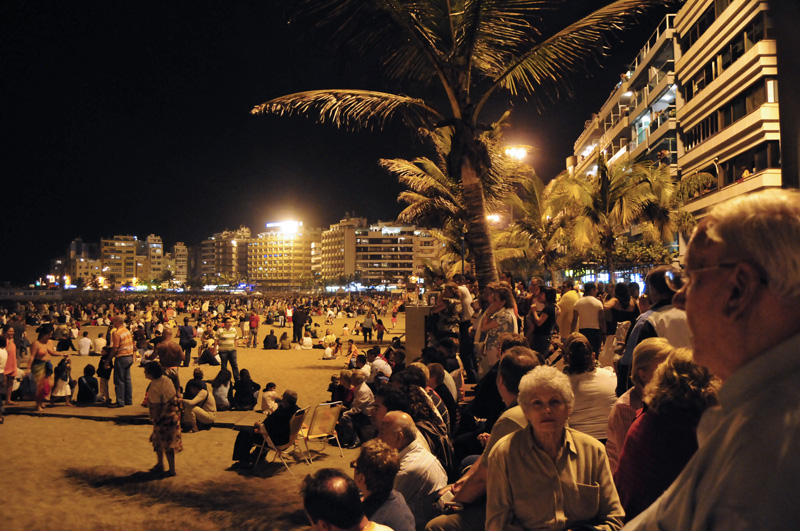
(666, 24)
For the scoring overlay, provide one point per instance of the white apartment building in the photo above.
(727, 70)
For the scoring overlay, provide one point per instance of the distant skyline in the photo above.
(133, 118)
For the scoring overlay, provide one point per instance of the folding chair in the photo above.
(322, 426)
(295, 424)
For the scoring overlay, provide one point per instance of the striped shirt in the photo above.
(125, 342)
(227, 339)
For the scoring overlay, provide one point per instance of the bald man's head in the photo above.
(397, 429)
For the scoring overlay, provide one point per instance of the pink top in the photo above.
(11, 363)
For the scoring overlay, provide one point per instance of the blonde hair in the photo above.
(680, 385)
(764, 229)
(645, 352)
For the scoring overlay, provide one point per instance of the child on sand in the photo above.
(269, 399)
(62, 374)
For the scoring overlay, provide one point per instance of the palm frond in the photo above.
(539, 72)
(352, 109)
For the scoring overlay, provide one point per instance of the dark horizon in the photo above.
(134, 119)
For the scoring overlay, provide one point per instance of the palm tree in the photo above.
(435, 199)
(664, 211)
(471, 49)
(604, 205)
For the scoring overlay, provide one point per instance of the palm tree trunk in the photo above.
(483, 253)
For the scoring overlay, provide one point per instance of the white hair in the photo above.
(545, 377)
(764, 229)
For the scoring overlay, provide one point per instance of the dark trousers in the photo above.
(466, 351)
(367, 333)
(187, 354)
(227, 355)
(594, 337)
(350, 428)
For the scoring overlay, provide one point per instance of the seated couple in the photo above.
(276, 425)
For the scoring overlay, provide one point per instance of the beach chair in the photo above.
(280, 451)
(322, 426)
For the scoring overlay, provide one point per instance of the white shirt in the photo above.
(379, 365)
(594, 397)
(589, 308)
(99, 344)
(84, 346)
(466, 303)
(419, 479)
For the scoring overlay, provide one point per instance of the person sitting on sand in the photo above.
(88, 388)
(221, 389)
(245, 392)
(200, 410)
(276, 425)
(271, 341)
(284, 343)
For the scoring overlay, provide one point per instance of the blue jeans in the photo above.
(226, 355)
(123, 387)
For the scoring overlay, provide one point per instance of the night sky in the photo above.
(133, 118)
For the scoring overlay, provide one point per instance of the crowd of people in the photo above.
(675, 408)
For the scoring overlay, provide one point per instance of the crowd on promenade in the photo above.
(593, 408)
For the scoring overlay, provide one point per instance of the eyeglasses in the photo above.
(678, 278)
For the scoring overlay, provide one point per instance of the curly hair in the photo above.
(545, 377)
(378, 463)
(680, 385)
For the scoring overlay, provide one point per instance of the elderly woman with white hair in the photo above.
(548, 476)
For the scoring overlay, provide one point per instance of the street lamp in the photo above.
(516, 152)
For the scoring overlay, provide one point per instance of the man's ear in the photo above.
(742, 292)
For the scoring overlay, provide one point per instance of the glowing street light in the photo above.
(516, 152)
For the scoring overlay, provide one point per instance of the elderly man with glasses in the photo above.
(741, 293)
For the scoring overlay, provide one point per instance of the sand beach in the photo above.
(86, 467)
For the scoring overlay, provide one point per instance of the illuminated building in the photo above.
(119, 258)
(339, 248)
(282, 256)
(727, 70)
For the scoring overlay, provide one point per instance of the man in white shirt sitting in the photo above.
(84, 345)
(421, 475)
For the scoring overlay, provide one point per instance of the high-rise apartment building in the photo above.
(180, 254)
(727, 71)
(119, 258)
(390, 252)
(230, 254)
(282, 256)
(638, 120)
(701, 96)
(339, 248)
(154, 255)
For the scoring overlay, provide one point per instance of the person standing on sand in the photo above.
(37, 363)
(165, 415)
(10, 371)
(122, 354)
